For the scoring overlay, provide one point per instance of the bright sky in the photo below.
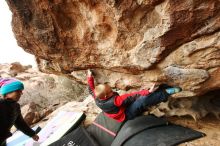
(9, 50)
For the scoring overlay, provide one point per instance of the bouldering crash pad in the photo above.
(19, 138)
(104, 129)
(59, 126)
(78, 137)
(153, 131)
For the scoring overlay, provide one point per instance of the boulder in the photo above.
(33, 113)
(16, 68)
(129, 43)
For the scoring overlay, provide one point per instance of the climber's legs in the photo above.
(143, 102)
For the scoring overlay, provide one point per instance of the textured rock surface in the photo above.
(129, 43)
(33, 113)
(43, 89)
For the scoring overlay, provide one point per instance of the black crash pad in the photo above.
(137, 125)
(170, 135)
(152, 131)
(104, 129)
(78, 137)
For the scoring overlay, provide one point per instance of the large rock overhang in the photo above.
(129, 43)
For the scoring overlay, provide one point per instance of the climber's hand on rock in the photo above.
(89, 73)
(35, 137)
(153, 88)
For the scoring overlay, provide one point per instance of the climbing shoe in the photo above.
(173, 90)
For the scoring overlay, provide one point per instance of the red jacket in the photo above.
(119, 101)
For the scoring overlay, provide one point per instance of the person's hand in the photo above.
(35, 137)
(153, 88)
(89, 73)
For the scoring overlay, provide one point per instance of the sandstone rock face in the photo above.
(129, 43)
(43, 89)
(33, 113)
(16, 68)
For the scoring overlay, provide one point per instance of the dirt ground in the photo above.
(208, 125)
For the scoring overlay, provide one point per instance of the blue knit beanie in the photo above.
(10, 85)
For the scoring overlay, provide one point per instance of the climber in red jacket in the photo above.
(127, 106)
